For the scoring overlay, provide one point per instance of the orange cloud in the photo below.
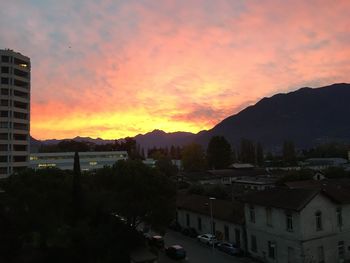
(118, 68)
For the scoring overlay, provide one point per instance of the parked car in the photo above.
(190, 231)
(208, 239)
(175, 252)
(156, 241)
(229, 248)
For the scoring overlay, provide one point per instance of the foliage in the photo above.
(303, 174)
(166, 167)
(39, 222)
(259, 154)
(193, 158)
(219, 153)
(247, 151)
(289, 155)
(328, 150)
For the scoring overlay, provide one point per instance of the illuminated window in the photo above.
(93, 163)
(23, 65)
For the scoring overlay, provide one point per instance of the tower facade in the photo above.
(14, 111)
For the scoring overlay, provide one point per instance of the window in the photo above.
(187, 219)
(227, 233)
(4, 103)
(3, 170)
(4, 80)
(268, 216)
(5, 58)
(4, 92)
(19, 148)
(4, 136)
(3, 147)
(5, 70)
(271, 249)
(289, 221)
(4, 113)
(214, 227)
(253, 245)
(339, 217)
(4, 124)
(252, 214)
(320, 253)
(199, 221)
(341, 249)
(318, 216)
(3, 159)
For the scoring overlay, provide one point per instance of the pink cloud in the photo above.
(177, 64)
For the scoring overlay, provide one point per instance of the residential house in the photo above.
(298, 225)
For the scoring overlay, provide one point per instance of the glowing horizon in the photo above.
(112, 69)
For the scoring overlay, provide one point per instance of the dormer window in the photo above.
(318, 217)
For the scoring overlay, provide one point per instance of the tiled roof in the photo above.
(338, 190)
(231, 211)
(284, 198)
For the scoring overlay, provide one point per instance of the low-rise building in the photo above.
(299, 225)
(194, 211)
(65, 160)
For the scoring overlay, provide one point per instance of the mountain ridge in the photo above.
(307, 116)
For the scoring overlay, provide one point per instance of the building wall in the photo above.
(14, 111)
(235, 231)
(304, 243)
(65, 160)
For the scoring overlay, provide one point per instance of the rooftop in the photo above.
(222, 209)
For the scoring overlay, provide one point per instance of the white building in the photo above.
(14, 111)
(65, 160)
(299, 225)
(193, 211)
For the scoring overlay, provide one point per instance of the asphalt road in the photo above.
(197, 252)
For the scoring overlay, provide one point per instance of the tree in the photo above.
(193, 158)
(289, 156)
(166, 167)
(259, 154)
(219, 153)
(247, 151)
(76, 197)
(144, 194)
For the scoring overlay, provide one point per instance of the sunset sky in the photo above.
(116, 68)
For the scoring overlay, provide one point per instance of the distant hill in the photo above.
(307, 116)
(162, 139)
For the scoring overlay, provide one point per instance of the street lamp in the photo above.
(211, 199)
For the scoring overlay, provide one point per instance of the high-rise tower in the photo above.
(14, 111)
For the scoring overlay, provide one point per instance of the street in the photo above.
(197, 252)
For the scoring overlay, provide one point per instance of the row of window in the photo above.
(14, 60)
(17, 115)
(289, 218)
(5, 159)
(14, 125)
(15, 147)
(9, 92)
(15, 136)
(271, 248)
(15, 82)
